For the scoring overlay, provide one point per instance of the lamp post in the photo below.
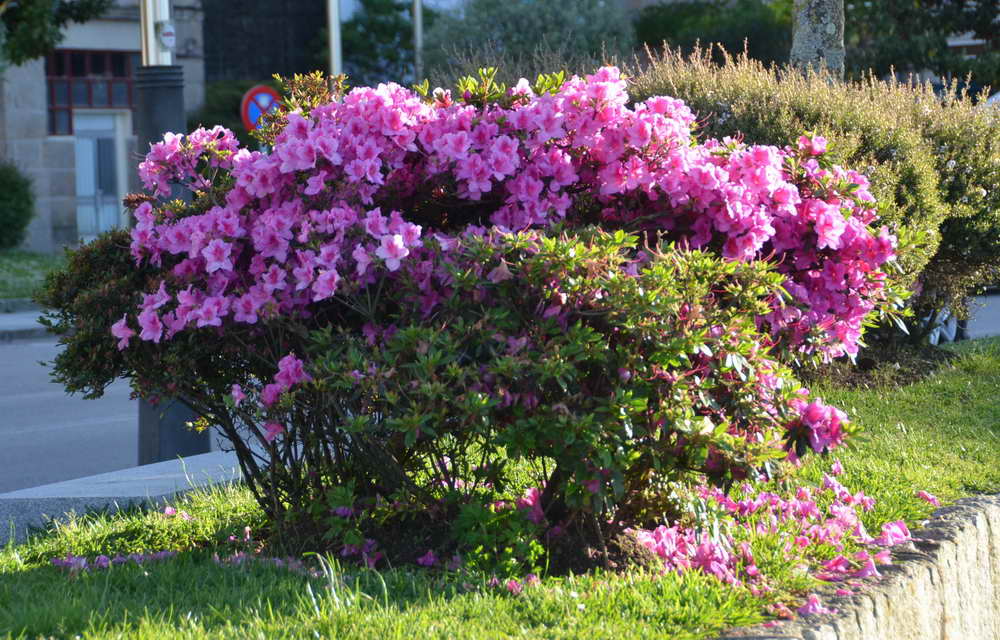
(159, 97)
(418, 41)
(333, 27)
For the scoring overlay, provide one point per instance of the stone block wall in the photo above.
(24, 132)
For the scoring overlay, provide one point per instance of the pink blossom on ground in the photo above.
(813, 607)
(867, 570)
(514, 587)
(428, 559)
(893, 533)
(927, 497)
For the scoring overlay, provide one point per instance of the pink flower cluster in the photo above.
(823, 423)
(326, 209)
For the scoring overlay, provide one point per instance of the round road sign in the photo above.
(256, 102)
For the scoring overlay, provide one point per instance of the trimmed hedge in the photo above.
(934, 163)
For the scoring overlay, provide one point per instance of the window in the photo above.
(87, 79)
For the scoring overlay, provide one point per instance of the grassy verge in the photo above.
(21, 272)
(941, 435)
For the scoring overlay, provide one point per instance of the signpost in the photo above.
(159, 91)
(256, 102)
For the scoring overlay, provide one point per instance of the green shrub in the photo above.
(424, 386)
(965, 141)
(17, 205)
(934, 164)
(762, 26)
(426, 422)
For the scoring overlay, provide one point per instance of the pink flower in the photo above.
(923, 495)
(216, 255)
(272, 430)
(270, 394)
(836, 468)
(532, 503)
(152, 327)
(868, 570)
(121, 331)
(237, 394)
(500, 273)
(893, 533)
(813, 607)
(325, 285)
(814, 145)
(392, 250)
(245, 309)
(362, 258)
(212, 311)
(291, 371)
(428, 559)
(514, 587)
(169, 511)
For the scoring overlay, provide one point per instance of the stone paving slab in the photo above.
(149, 484)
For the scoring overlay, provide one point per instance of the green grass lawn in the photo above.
(941, 435)
(21, 272)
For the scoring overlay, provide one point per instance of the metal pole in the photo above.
(418, 41)
(333, 27)
(159, 93)
(146, 30)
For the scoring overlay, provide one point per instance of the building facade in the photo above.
(67, 120)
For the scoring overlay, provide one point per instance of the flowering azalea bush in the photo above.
(411, 293)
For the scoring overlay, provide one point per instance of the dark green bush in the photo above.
(17, 205)
(635, 383)
(761, 25)
(934, 164)
(515, 29)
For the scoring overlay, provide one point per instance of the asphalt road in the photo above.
(47, 435)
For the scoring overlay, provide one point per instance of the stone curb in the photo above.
(945, 586)
(148, 486)
(13, 305)
(9, 335)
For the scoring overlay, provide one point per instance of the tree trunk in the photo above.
(818, 35)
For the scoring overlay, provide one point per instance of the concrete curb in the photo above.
(946, 586)
(13, 305)
(30, 333)
(147, 485)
